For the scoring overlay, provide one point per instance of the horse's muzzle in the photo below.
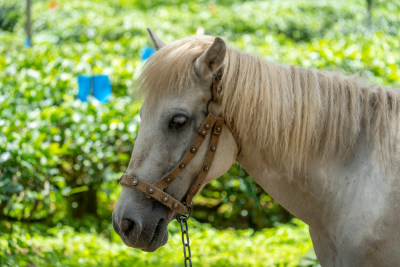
(142, 234)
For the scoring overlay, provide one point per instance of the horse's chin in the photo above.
(157, 242)
(158, 239)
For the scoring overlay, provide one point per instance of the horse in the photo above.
(324, 145)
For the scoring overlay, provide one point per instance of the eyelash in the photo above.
(177, 122)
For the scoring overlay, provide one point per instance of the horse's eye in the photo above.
(177, 122)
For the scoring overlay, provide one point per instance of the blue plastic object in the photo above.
(101, 88)
(85, 87)
(146, 52)
(98, 85)
(28, 42)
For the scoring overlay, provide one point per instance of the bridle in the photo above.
(213, 125)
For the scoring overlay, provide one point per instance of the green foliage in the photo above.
(62, 246)
(10, 13)
(52, 146)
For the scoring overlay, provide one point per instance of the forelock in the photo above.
(170, 69)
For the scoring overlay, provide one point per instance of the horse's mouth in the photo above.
(159, 237)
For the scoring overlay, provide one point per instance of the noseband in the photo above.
(212, 124)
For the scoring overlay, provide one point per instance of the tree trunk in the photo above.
(369, 12)
(84, 203)
(28, 23)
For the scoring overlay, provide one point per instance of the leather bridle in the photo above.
(212, 124)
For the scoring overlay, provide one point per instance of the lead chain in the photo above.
(185, 239)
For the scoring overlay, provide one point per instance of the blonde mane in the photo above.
(296, 114)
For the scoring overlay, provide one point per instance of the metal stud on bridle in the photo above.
(156, 190)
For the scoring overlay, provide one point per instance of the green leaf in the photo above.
(79, 189)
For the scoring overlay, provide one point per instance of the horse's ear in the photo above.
(158, 43)
(211, 60)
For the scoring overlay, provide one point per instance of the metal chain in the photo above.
(185, 239)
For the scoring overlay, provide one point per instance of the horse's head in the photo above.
(177, 81)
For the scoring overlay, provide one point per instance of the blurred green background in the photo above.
(60, 159)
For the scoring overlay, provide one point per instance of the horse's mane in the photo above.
(296, 114)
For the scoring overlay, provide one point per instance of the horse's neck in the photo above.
(309, 196)
(285, 190)
(326, 121)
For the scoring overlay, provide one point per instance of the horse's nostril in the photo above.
(127, 227)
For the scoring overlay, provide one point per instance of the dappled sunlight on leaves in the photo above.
(55, 150)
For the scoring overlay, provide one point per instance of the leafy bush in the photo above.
(53, 146)
(62, 246)
(56, 153)
(10, 13)
(62, 150)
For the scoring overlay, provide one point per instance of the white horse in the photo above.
(323, 145)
